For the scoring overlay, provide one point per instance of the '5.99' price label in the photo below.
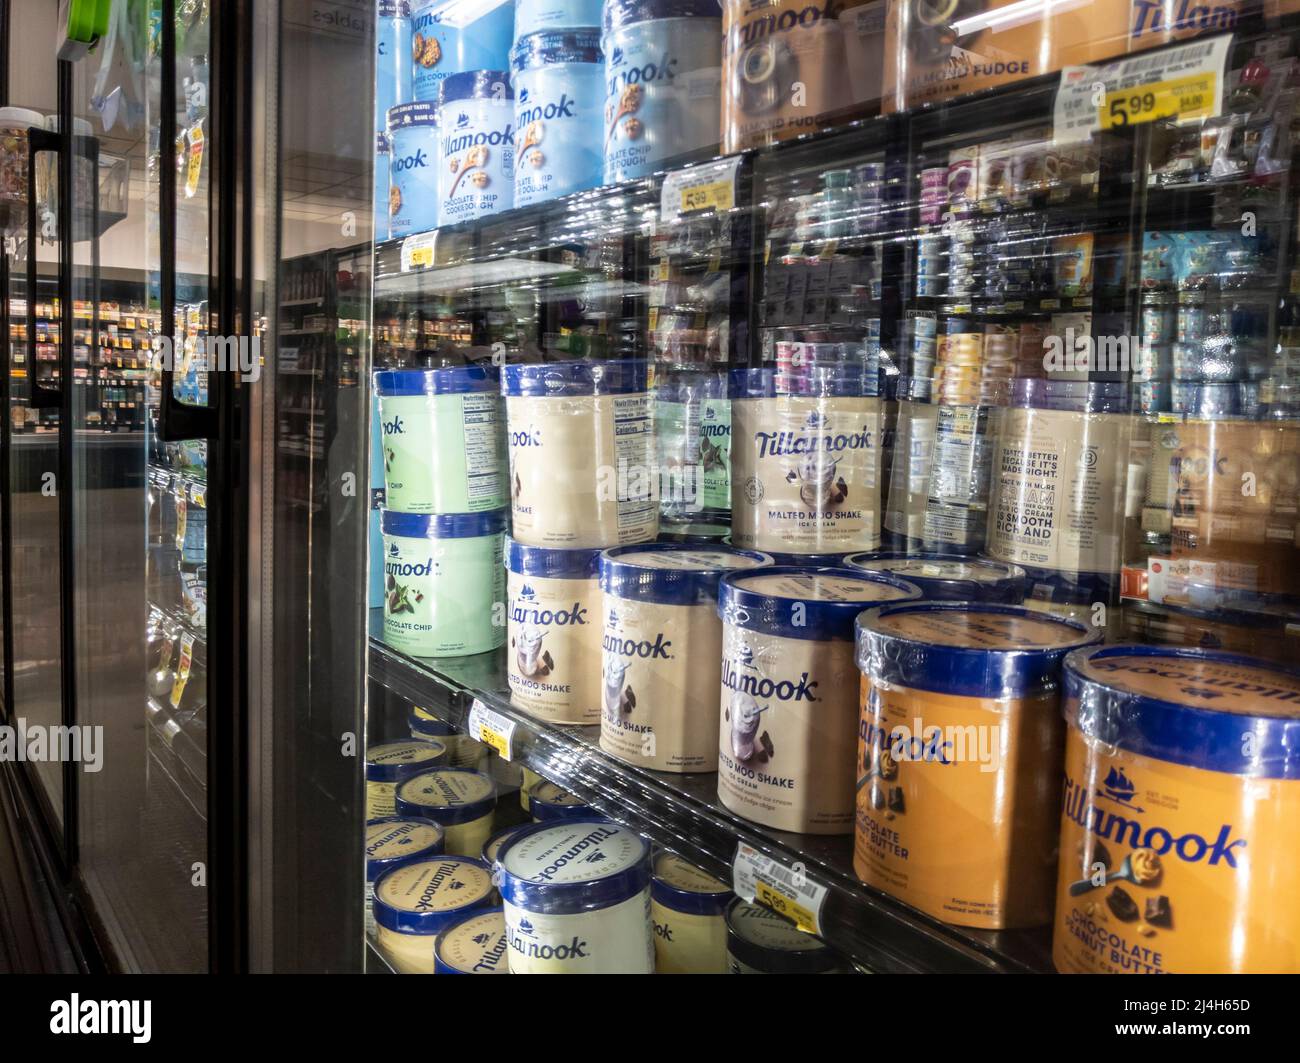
(1190, 97)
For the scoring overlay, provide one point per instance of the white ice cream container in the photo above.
(415, 902)
(391, 762)
(577, 899)
(688, 909)
(553, 636)
(788, 730)
(475, 944)
(459, 801)
(662, 652)
(760, 942)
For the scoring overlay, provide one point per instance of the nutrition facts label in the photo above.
(482, 427)
(633, 450)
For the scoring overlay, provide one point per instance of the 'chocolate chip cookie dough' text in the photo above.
(442, 447)
(444, 587)
(577, 899)
(662, 652)
(805, 468)
(476, 145)
(959, 747)
(788, 696)
(663, 82)
(1181, 805)
(581, 440)
(553, 638)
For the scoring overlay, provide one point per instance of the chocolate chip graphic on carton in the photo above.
(1122, 905)
(1158, 912)
(896, 799)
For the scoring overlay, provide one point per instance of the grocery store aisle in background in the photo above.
(32, 939)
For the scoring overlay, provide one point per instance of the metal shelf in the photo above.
(682, 813)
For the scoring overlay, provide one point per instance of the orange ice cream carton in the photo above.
(1181, 814)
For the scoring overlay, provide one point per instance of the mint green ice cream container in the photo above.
(443, 439)
(444, 585)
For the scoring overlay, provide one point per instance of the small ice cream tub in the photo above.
(476, 145)
(442, 433)
(958, 758)
(688, 909)
(394, 842)
(492, 847)
(424, 724)
(948, 577)
(549, 802)
(390, 763)
(474, 944)
(415, 902)
(662, 652)
(760, 942)
(412, 168)
(577, 899)
(459, 801)
(1181, 799)
(788, 692)
(553, 632)
(443, 582)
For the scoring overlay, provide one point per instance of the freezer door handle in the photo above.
(38, 141)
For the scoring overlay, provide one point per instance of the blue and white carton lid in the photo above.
(672, 573)
(395, 840)
(427, 896)
(447, 796)
(682, 887)
(546, 801)
(448, 380)
(573, 867)
(578, 378)
(443, 525)
(806, 603)
(391, 761)
(553, 47)
(491, 85)
(619, 14)
(545, 562)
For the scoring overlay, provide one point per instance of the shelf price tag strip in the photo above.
(1184, 82)
(788, 891)
(417, 251)
(492, 729)
(699, 188)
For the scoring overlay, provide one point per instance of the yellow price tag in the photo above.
(1192, 96)
(719, 195)
(499, 744)
(786, 906)
(421, 256)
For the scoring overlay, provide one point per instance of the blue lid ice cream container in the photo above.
(413, 903)
(537, 16)
(392, 58)
(476, 145)
(412, 168)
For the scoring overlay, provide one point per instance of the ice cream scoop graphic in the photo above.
(614, 671)
(746, 715)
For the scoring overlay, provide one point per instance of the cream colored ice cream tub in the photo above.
(959, 747)
(577, 899)
(492, 847)
(805, 467)
(475, 944)
(415, 902)
(789, 681)
(760, 942)
(582, 466)
(1181, 805)
(546, 801)
(462, 750)
(459, 801)
(553, 636)
(688, 910)
(389, 763)
(662, 652)
(394, 842)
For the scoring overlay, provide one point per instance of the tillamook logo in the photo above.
(525, 610)
(563, 108)
(778, 444)
(664, 70)
(453, 144)
(574, 852)
(1149, 17)
(657, 650)
(758, 687)
(443, 875)
(394, 427)
(576, 949)
(1124, 828)
(408, 568)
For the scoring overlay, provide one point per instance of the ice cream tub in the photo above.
(449, 37)
(1181, 799)
(474, 944)
(553, 632)
(393, 842)
(959, 747)
(663, 82)
(948, 577)
(688, 911)
(412, 168)
(559, 88)
(392, 58)
(492, 847)
(788, 700)
(442, 440)
(476, 145)
(459, 801)
(662, 652)
(443, 582)
(806, 468)
(577, 899)
(760, 942)
(581, 438)
(415, 902)
(536, 16)
(391, 762)
(547, 802)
